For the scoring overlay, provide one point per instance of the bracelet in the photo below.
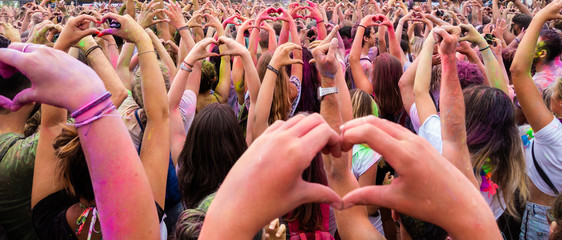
(91, 49)
(518, 41)
(362, 26)
(91, 105)
(272, 69)
(318, 22)
(97, 116)
(183, 67)
(182, 28)
(196, 26)
(484, 49)
(154, 51)
(191, 66)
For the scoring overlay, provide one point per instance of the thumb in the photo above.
(24, 97)
(371, 195)
(5, 102)
(315, 192)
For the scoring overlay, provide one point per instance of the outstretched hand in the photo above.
(49, 85)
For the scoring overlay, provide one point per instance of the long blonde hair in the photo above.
(492, 134)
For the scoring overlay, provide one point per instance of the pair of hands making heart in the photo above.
(266, 182)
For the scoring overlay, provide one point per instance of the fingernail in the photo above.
(347, 205)
(98, 33)
(278, 234)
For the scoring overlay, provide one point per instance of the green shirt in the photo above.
(16, 179)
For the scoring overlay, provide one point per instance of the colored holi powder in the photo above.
(239, 86)
(81, 44)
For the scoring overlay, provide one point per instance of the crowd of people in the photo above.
(330, 119)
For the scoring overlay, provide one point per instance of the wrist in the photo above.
(327, 82)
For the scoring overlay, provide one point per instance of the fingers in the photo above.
(319, 136)
(5, 102)
(24, 97)
(82, 18)
(392, 129)
(109, 31)
(315, 192)
(371, 195)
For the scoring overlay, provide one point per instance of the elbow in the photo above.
(120, 96)
(516, 69)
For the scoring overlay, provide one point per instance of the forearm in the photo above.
(113, 53)
(340, 178)
(123, 64)
(423, 100)
(493, 68)
(154, 90)
(109, 76)
(357, 72)
(263, 104)
(522, 8)
(284, 35)
(131, 8)
(164, 56)
(225, 78)
(322, 32)
(119, 181)
(272, 42)
(253, 43)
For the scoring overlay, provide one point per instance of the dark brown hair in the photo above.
(212, 146)
(387, 71)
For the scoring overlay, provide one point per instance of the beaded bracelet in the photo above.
(273, 69)
(91, 105)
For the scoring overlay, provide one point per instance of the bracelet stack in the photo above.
(88, 110)
(91, 49)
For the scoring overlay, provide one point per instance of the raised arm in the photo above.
(453, 126)
(423, 100)
(359, 77)
(353, 223)
(251, 76)
(494, 74)
(528, 95)
(112, 161)
(265, 97)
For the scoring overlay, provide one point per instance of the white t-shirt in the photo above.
(127, 109)
(430, 130)
(548, 152)
(363, 159)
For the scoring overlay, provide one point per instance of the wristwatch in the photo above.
(326, 91)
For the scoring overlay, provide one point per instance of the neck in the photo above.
(545, 67)
(365, 50)
(13, 122)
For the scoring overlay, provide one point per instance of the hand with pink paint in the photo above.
(49, 85)
(75, 29)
